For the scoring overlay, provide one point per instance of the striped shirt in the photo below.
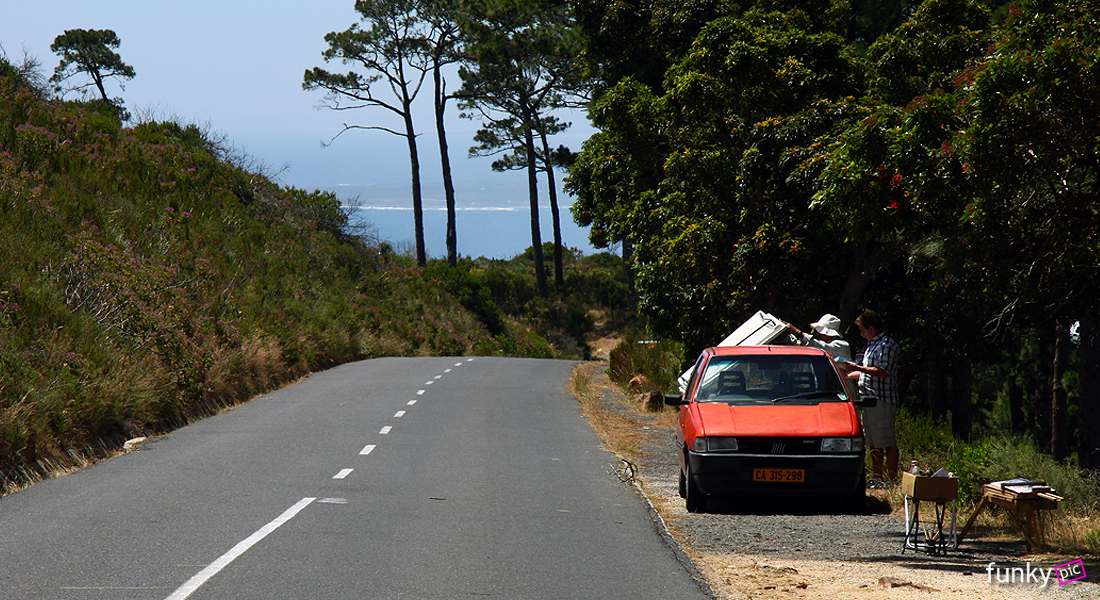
(882, 352)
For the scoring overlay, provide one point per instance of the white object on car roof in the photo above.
(760, 330)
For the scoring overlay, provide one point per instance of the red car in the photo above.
(757, 421)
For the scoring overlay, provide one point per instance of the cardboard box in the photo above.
(929, 488)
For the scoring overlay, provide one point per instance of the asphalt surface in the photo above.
(430, 478)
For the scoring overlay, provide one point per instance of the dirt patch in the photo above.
(771, 550)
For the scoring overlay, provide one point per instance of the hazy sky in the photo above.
(237, 68)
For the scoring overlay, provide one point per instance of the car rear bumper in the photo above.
(729, 474)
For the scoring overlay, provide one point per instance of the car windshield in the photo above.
(770, 378)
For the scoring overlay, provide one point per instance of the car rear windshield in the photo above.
(770, 378)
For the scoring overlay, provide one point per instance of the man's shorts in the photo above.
(878, 425)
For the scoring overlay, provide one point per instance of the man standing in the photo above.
(878, 377)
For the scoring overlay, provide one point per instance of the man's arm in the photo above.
(872, 371)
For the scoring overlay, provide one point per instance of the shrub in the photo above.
(928, 440)
(659, 362)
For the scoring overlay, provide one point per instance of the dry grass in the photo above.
(45, 468)
(1064, 532)
(621, 434)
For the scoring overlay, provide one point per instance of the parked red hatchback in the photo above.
(763, 421)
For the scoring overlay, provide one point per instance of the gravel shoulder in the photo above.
(771, 549)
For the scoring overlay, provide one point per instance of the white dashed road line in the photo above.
(224, 560)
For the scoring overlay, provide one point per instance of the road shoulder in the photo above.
(769, 551)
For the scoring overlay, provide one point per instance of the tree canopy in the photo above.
(91, 52)
(795, 157)
(391, 48)
(522, 66)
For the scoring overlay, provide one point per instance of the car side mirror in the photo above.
(866, 401)
(674, 400)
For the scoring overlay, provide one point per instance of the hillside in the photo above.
(148, 277)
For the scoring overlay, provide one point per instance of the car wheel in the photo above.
(857, 499)
(694, 498)
(683, 485)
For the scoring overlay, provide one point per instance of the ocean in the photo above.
(492, 220)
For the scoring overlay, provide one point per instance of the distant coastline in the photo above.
(492, 219)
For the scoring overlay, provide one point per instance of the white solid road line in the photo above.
(223, 561)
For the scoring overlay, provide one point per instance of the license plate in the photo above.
(779, 475)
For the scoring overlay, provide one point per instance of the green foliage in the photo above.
(146, 280)
(703, 180)
(658, 361)
(474, 296)
(926, 52)
(91, 52)
(933, 160)
(501, 294)
(927, 439)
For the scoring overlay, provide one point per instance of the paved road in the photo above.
(432, 478)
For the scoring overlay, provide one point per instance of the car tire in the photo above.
(857, 499)
(683, 485)
(694, 498)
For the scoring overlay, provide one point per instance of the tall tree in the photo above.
(443, 44)
(990, 183)
(391, 48)
(523, 65)
(702, 177)
(504, 137)
(91, 52)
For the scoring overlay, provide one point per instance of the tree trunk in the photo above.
(533, 192)
(98, 79)
(938, 399)
(559, 271)
(628, 270)
(867, 259)
(1016, 421)
(1088, 399)
(414, 163)
(1038, 401)
(1058, 443)
(962, 413)
(445, 163)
